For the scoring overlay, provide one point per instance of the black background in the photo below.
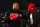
(6, 4)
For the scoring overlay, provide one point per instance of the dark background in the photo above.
(6, 4)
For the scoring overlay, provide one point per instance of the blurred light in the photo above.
(2, 17)
(31, 19)
(3, 24)
(37, 10)
(20, 15)
(2, 21)
(1, 14)
(28, 20)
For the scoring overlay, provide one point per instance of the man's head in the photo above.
(15, 6)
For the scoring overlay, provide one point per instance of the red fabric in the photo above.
(14, 16)
(31, 6)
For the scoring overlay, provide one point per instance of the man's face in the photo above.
(15, 5)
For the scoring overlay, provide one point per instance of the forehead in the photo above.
(15, 4)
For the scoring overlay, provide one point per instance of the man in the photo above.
(17, 21)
